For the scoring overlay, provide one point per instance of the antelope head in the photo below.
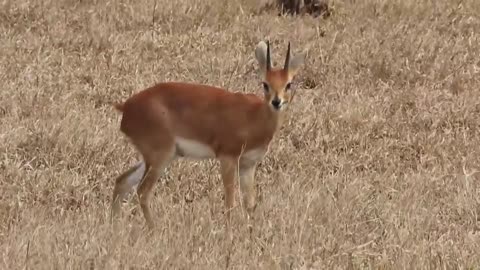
(277, 82)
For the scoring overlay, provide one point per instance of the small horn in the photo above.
(269, 63)
(287, 60)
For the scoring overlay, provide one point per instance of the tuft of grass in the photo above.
(376, 166)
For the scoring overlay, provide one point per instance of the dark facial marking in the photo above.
(265, 87)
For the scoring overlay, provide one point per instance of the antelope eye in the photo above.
(265, 86)
(288, 86)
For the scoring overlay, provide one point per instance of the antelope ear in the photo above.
(295, 63)
(261, 55)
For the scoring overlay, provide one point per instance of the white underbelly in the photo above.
(254, 154)
(193, 149)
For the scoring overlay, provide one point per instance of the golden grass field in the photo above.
(376, 167)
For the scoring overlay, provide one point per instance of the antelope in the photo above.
(176, 119)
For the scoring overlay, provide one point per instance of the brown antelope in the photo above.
(177, 119)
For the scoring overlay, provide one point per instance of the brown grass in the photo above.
(376, 167)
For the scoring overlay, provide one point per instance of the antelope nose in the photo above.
(276, 103)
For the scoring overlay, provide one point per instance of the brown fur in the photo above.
(194, 112)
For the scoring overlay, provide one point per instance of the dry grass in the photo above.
(375, 168)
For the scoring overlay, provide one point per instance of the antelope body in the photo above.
(176, 119)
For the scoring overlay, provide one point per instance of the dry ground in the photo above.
(376, 166)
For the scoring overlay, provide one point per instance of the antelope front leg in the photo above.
(247, 186)
(228, 169)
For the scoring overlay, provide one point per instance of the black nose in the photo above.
(276, 103)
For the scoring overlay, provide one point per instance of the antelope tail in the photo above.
(118, 106)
